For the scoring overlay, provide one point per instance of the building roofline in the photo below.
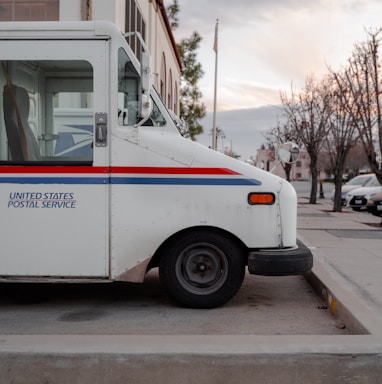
(163, 11)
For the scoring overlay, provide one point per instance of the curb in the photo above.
(344, 301)
(183, 359)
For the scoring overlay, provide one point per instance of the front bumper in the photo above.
(357, 202)
(375, 208)
(281, 262)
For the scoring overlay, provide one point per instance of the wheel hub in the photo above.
(201, 267)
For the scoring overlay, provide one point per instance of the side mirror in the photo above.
(288, 152)
(146, 106)
(260, 164)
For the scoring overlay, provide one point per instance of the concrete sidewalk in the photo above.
(347, 272)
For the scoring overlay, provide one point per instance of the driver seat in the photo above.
(16, 106)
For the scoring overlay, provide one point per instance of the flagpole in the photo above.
(214, 138)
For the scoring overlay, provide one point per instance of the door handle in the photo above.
(101, 129)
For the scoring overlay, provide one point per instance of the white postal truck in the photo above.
(98, 185)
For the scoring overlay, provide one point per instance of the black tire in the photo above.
(202, 269)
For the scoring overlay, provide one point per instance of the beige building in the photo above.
(265, 159)
(145, 16)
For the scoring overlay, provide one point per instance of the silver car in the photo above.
(357, 198)
(355, 182)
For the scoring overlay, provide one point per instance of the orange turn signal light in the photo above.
(261, 198)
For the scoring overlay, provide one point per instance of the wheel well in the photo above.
(161, 250)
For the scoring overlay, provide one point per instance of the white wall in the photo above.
(112, 10)
(157, 37)
(70, 10)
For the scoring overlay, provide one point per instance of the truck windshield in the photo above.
(129, 95)
(128, 90)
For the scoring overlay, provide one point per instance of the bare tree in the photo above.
(308, 112)
(340, 138)
(362, 79)
(356, 159)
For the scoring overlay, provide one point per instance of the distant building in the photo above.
(265, 159)
(145, 16)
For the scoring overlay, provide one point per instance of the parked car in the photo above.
(355, 182)
(374, 204)
(357, 198)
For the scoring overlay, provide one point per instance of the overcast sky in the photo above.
(264, 47)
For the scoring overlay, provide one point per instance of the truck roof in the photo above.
(58, 29)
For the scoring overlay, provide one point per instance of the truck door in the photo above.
(54, 174)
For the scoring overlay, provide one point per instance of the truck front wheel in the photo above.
(202, 270)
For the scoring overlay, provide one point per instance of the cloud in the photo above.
(264, 47)
(241, 95)
(235, 14)
(243, 129)
(275, 42)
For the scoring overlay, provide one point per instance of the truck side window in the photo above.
(46, 111)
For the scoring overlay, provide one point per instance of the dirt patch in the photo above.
(331, 211)
(374, 225)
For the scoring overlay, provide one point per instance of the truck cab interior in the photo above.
(46, 111)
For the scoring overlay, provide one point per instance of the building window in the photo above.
(169, 91)
(175, 107)
(163, 79)
(22, 10)
(134, 23)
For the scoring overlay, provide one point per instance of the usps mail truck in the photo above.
(98, 185)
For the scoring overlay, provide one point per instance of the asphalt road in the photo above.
(303, 188)
(263, 306)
